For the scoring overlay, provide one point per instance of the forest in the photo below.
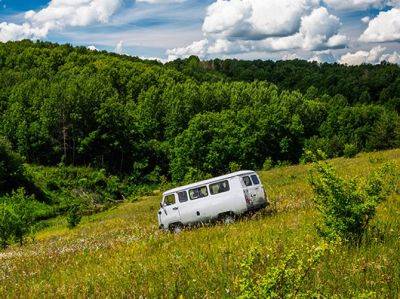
(149, 123)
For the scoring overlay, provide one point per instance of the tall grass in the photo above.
(121, 252)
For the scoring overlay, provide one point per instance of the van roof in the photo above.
(205, 182)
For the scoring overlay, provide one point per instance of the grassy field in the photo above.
(121, 253)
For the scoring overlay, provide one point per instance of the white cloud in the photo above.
(374, 56)
(10, 31)
(239, 26)
(323, 56)
(59, 14)
(384, 28)
(255, 19)
(366, 20)
(356, 4)
(119, 49)
(290, 56)
(92, 48)
(392, 58)
(161, 1)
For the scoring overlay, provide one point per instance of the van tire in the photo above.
(227, 218)
(176, 228)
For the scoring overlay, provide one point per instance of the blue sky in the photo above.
(325, 30)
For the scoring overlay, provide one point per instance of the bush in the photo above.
(350, 150)
(347, 207)
(234, 167)
(16, 217)
(74, 216)
(268, 164)
(11, 168)
(283, 280)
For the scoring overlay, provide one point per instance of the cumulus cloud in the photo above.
(356, 4)
(59, 14)
(92, 48)
(237, 26)
(119, 49)
(255, 19)
(161, 1)
(374, 56)
(323, 56)
(384, 28)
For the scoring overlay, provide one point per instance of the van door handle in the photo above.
(175, 208)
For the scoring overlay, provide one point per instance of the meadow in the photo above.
(121, 252)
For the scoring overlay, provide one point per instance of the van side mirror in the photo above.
(161, 205)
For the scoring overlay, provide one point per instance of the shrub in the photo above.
(268, 164)
(283, 280)
(350, 150)
(347, 206)
(11, 167)
(7, 219)
(74, 216)
(234, 166)
(16, 217)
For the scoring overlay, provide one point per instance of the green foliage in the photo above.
(350, 150)
(74, 216)
(11, 168)
(16, 217)
(284, 279)
(348, 206)
(153, 122)
(268, 164)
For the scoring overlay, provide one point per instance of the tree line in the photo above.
(151, 122)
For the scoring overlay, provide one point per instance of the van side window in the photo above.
(255, 180)
(182, 196)
(198, 193)
(169, 200)
(219, 187)
(246, 181)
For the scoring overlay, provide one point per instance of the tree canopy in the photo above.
(145, 120)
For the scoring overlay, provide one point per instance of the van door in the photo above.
(170, 211)
(193, 210)
(253, 190)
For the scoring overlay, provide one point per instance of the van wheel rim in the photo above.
(177, 229)
(229, 220)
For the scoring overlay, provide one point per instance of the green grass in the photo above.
(121, 252)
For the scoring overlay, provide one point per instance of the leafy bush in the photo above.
(74, 216)
(234, 167)
(16, 217)
(348, 206)
(350, 150)
(268, 164)
(283, 280)
(11, 167)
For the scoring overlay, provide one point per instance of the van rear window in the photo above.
(198, 193)
(219, 187)
(246, 181)
(255, 180)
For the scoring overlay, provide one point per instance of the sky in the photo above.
(345, 31)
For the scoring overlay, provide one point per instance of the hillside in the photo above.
(188, 119)
(121, 253)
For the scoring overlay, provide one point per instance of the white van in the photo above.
(220, 198)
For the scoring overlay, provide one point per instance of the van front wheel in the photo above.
(228, 218)
(176, 228)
